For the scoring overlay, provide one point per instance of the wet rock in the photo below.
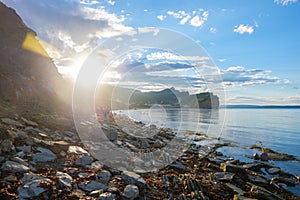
(92, 185)
(14, 167)
(77, 150)
(262, 193)
(12, 122)
(274, 170)
(31, 186)
(104, 176)
(264, 157)
(288, 181)
(224, 176)
(64, 179)
(133, 178)
(241, 197)
(45, 155)
(178, 166)
(131, 192)
(83, 161)
(256, 156)
(107, 196)
(253, 166)
(29, 122)
(6, 146)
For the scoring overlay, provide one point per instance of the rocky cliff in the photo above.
(28, 78)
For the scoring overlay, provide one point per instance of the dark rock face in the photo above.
(27, 74)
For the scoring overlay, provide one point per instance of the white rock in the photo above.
(77, 150)
(131, 191)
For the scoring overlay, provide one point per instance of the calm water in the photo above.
(278, 129)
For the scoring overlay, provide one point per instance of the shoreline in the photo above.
(37, 162)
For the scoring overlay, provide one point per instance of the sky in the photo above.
(251, 48)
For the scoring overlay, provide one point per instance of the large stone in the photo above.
(133, 178)
(31, 186)
(64, 179)
(83, 161)
(131, 191)
(226, 167)
(45, 155)
(258, 180)
(14, 167)
(77, 150)
(92, 185)
(235, 189)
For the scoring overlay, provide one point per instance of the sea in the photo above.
(274, 128)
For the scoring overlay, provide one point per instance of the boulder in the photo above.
(133, 178)
(92, 185)
(45, 155)
(83, 161)
(14, 167)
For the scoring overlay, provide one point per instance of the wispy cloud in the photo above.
(239, 76)
(171, 56)
(270, 100)
(212, 29)
(241, 29)
(111, 2)
(161, 17)
(285, 2)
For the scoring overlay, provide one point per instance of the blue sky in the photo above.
(254, 44)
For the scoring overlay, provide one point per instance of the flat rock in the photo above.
(131, 191)
(257, 179)
(14, 167)
(235, 189)
(83, 161)
(226, 167)
(77, 150)
(133, 178)
(274, 170)
(31, 186)
(224, 176)
(29, 122)
(64, 179)
(262, 193)
(11, 122)
(45, 155)
(6, 146)
(92, 185)
(178, 166)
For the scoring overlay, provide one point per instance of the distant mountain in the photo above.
(122, 98)
(28, 78)
(261, 106)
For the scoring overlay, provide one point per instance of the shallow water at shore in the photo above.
(278, 129)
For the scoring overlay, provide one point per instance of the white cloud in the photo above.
(198, 21)
(111, 2)
(212, 29)
(241, 29)
(239, 76)
(177, 15)
(171, 56)
(145, 10)
(222, 60)
(89, 2)
(185, 19)
(285, 2)
(161, 17)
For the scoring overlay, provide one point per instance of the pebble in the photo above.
(64, 179)
(104, 176)
(131, 191)
(11, 122)
(133, 178)
(107, 196)
(14, 167)
(6, 146)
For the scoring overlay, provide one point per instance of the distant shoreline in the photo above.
(259, 107)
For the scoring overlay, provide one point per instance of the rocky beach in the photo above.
(38, 162)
